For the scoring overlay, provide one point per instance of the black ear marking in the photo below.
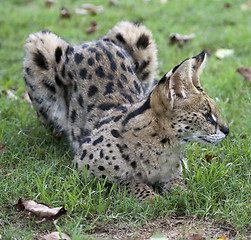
(200, 57)
(143, 42)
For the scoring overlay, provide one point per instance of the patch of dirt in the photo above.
(171, 229)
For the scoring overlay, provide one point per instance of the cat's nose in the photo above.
(225, 130)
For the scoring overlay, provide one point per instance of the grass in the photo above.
(38, 167)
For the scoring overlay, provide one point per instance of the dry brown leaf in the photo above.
(227, 5)
(64, 13)
(3, 149)
(209, 158)
(245, 73)
(50, 3)
(179, 39)
(93, 10)
(40, 210)
(56, 236)
(222, 237)
(113, 3)
(223, 52)
(197, 236)
(93, 28)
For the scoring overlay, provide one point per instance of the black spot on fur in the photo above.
(101, 154)
(90, 107)
(40, 60)
(78, 57)
(113, 66)
(120, 38)
(92, 90)
(146, 105)
(63, 70)
(108, 88)
(105, 121)
(28, 71)
(106, 106)
(70, 75)
(97, 56)
(83, 73)
(126, 157)
(80, 100)
(115, 133)
(120, 85)
(83, 154)
(144, 64)
(58, 54)
(98, 140)
(127, 97)
(101, 168)
(116, 119)
(116, 167)
(73, 115)
(58, 81)
(100, 72)
(145, 75)
(92, 49)
(110, 76)
(123, 66)
(119, 54)
(137, 87)
(49, 86)
(165, 140)
(75, 87)
(43, 113)
(134, 165)
(143, 42)
(90, 61)
(123, 78)
(91, 156)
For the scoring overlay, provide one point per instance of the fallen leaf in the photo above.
(113, 3)
(56, 236)
(93, 10)
(227, 5)
(197, 236)
(3, 149)
(93, 28)
(209, 158)
(27, 98)
(246, 6)
(50, 3)
(179, 39)
(222, 53)
(222, 237)
(245, 73)
(64, 13)
(40, 210)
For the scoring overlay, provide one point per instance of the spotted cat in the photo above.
(100, 95)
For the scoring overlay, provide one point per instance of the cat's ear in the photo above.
(179, 83)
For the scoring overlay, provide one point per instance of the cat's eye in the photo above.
(210, 118)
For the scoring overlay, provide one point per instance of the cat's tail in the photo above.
(44, 76)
